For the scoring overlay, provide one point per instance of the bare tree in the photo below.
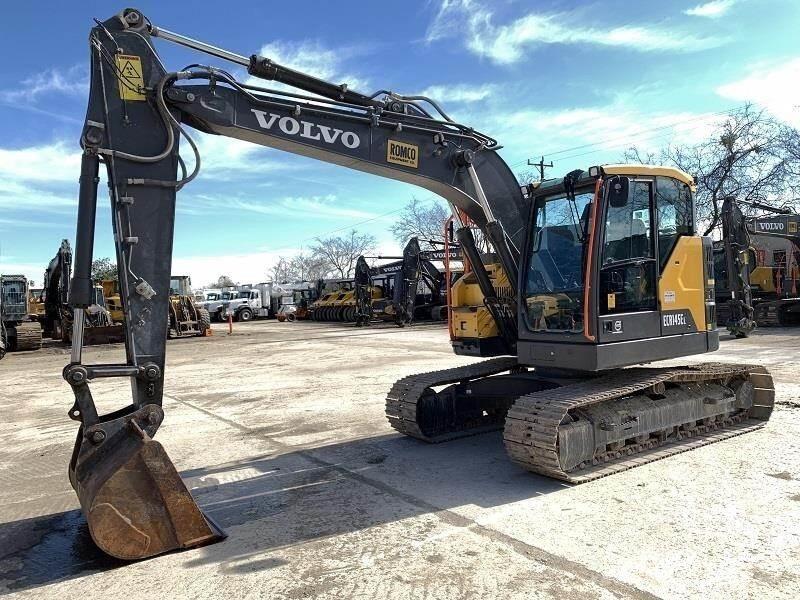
(282, 271)
(423, 221)
(342, 252)
(528, 176)
(222, 281)
(748, 156)
(308, 267)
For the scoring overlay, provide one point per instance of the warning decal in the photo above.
(131, 81)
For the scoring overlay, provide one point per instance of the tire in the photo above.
(203, 320)
(290, 317)
(245, 315)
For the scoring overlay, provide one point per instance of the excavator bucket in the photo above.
(133, 499)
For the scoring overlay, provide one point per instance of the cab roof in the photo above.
(649, 170)
(622, 169)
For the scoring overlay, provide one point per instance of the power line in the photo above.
(625, 139)
(638, 133)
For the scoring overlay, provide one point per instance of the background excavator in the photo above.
(750, 291)
(401, 300)
(186, 316)
(57, 321)
(582, 276)
(734, 263)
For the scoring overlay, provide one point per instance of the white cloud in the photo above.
(72, 81)
(581, 137)
(242, 268)
(444, 94)
(506, 44)
(328, 207)
(56, 162)
(19, 196)
(776, 88)
(713, 9)
(222, 156)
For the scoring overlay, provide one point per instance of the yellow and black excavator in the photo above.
(579, 277)
(57, 320)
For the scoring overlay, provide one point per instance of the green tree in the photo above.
(103, 268)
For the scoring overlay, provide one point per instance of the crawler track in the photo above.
(531, 432)
(534, 424)
(413, 409)
(29, 336)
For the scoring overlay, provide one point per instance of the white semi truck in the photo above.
(260, 300)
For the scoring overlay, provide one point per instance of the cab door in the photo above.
(628, 276)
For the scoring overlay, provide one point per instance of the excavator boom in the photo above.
(134, 501)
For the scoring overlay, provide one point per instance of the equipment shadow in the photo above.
(273, 502)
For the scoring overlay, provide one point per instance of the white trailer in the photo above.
(261, 300)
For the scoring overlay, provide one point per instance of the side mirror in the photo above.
(618, 192)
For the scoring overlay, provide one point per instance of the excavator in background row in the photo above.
(17, 330)
(581, 277)
(36, 303)
(113, 302)
(733, 265)
(775, 275)
(295, 304)
(57, 322)
(757, 268)
(409, 287)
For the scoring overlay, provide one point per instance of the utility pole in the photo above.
(541, 166)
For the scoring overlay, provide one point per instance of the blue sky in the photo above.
(577, 81)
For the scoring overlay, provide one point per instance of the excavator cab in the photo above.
(613, 272)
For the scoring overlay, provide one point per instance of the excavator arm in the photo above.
(138, 110)
(737, 267)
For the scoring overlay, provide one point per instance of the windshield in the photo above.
(212, 296)
(230, 295)
(554, 281)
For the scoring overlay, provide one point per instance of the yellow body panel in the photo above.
(681, 285)
(470, 318)
(113, 302)
(474, 323)
(763, 278)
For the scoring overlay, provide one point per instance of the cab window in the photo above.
(675, 212)
(628, 273)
